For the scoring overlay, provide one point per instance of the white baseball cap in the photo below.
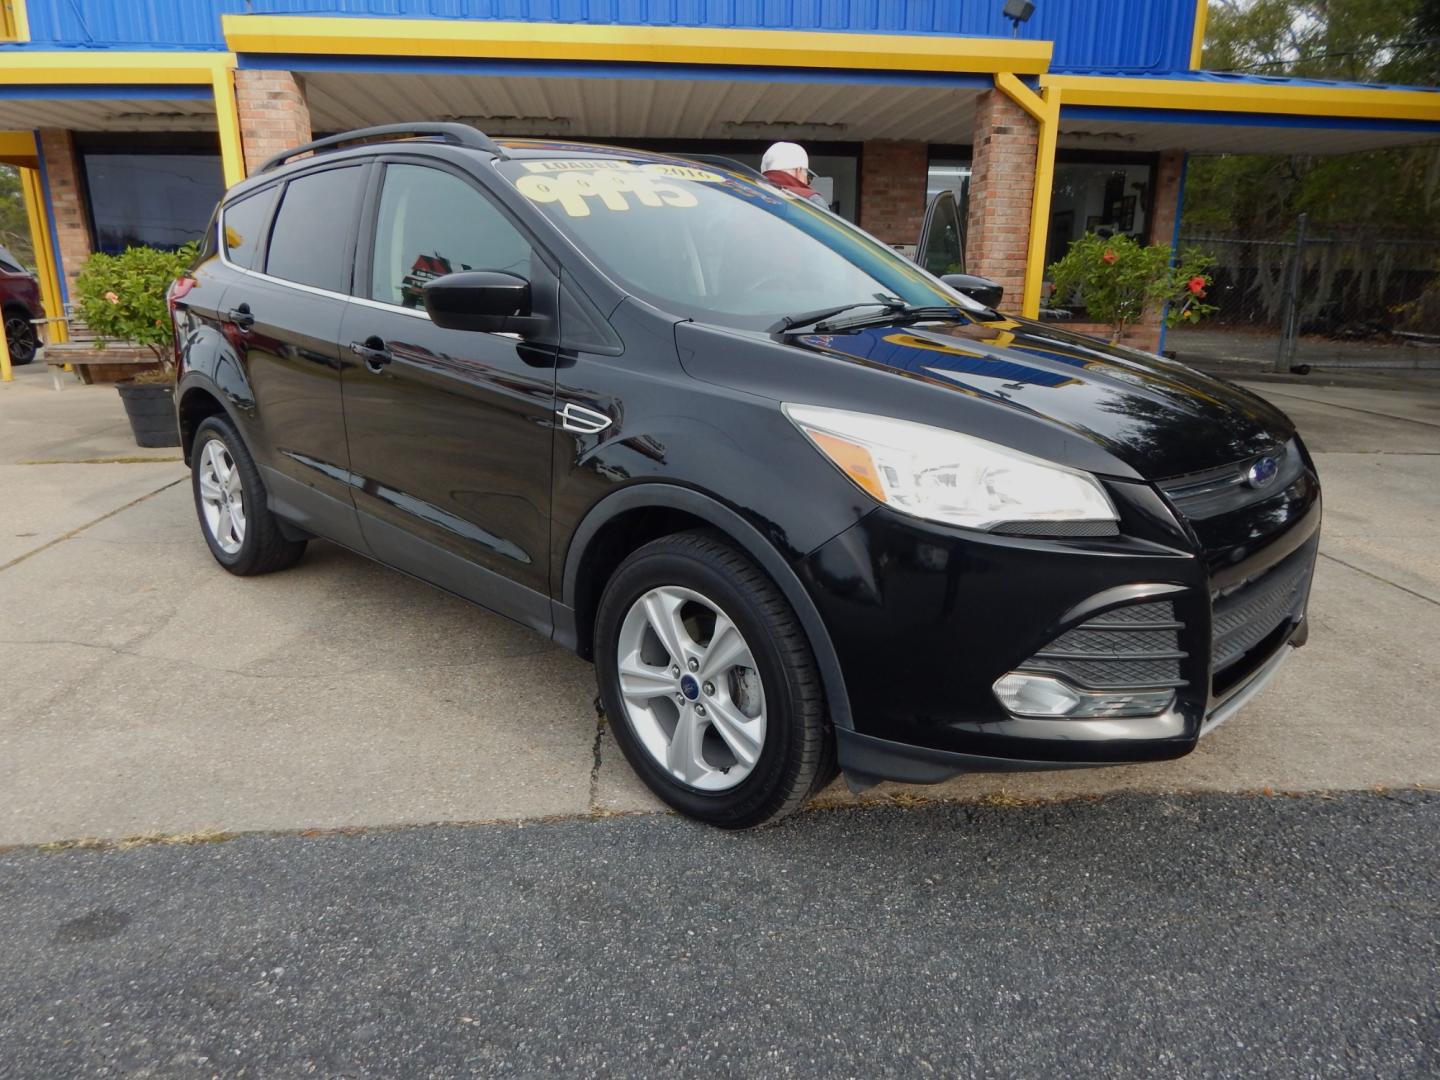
(785, 155)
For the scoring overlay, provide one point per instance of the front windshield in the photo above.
(711, 245)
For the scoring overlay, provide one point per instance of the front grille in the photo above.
(1209, 494)
(1244, 615)
(1128, 648)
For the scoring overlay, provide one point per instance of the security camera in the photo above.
(1019, 11)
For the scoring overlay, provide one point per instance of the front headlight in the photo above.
(948, 477)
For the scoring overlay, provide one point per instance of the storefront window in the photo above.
(947, 175)
(160, 199)
(1098, 197)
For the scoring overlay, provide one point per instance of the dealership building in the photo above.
(128, 119)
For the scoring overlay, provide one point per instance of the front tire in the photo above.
(242, 533)
(709, 683)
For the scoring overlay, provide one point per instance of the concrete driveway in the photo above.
(143, 690)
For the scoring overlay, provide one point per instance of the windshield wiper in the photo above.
(895, 315)
(806, 318)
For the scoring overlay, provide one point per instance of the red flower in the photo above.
(1109, 258)
(1197, 286)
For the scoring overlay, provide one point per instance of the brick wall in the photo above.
(1002, 185)
(892, 189)
(273, 114)
(72, 218)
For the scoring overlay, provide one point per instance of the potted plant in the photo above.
(1117, 280)
(122, 298)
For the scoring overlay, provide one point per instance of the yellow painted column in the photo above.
(1040, 203)
(41, 242)
(1044, 108)
(7, 373)
(1197, 43)
(227, 119)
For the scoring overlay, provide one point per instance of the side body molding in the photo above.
(672, 496)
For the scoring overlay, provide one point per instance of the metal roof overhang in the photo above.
(634, 101)
(617, 82)
(1092, 128)
(144, 107)
(1208, 112)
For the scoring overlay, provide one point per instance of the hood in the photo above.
(1161, 418)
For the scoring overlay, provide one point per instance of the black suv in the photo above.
(806, 507)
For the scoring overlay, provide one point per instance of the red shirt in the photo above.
(799, 187)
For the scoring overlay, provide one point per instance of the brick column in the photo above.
(893, 177)
(72, 217)
(1165, 203)
(1002, 184)
(1164, 214)
(273, 113)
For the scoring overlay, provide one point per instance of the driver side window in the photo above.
(944, 251)
(431, 223)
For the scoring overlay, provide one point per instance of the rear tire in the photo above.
(20, 336)
(721, 712)
(235, 519)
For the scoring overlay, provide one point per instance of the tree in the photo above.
(14, 224)
(1395, 192)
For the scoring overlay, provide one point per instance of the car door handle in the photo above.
(373, 351)
(241, 317)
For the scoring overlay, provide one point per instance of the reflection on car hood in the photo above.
(1161, 418)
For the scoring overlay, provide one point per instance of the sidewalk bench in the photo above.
(110, 363)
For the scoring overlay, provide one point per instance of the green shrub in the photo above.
(122, 297)
(1117, 280)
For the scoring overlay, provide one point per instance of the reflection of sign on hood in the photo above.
(425, 269)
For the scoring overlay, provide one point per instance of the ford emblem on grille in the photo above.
(1262, 472)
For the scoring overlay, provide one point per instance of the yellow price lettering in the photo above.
(574, 190)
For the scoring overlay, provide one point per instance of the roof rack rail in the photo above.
(454, 134)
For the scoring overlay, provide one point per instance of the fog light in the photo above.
(1046, 696)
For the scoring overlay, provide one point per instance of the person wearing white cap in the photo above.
(786, 165)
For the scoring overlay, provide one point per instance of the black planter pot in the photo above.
(151, 409)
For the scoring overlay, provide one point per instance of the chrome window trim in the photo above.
(313, 289)
(414, 313)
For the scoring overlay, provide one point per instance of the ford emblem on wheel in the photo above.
(809, 509)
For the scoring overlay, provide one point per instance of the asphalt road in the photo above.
(1200, 936)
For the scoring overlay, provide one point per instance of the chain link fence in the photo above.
(1361, 301)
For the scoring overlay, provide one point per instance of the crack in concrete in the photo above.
(595, 764)
(90, 524)
(1383, 581)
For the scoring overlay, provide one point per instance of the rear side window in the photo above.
(309, 242)
(244, 224)
(432, 223)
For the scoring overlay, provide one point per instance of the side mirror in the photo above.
(980, 289)
(488, 301)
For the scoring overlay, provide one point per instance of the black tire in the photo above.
(798, 753)
(20, 336)
(263, 548)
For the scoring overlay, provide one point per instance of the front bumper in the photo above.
(866, 759)
(925, 618)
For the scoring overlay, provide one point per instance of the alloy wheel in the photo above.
(692, 693)
(20, 339)
(222, 497)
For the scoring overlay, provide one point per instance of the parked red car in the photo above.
(20, 302)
